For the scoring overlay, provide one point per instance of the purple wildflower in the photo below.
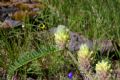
(70, 75)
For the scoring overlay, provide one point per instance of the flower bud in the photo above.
(61, 36)
(84, 57)
(103, 70)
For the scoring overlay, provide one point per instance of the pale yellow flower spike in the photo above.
(84, 51)
(103, 66)
(61, 34)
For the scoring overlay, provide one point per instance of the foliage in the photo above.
(28, 57)
(20, 47)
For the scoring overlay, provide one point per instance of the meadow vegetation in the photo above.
(26, 52)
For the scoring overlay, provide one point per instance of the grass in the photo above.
(92, 18)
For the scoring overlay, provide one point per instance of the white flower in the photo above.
(23, 25)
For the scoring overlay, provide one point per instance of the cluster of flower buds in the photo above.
(103, 70)
(84, 57)
(61, 36)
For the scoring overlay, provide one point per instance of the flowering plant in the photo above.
(103, 70)
(61, 36)
(84, 57)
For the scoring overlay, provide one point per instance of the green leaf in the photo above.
(28, 57)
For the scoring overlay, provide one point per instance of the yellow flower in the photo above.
(84, 51)
(85, 57)
(103, 66)
(61, 34)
